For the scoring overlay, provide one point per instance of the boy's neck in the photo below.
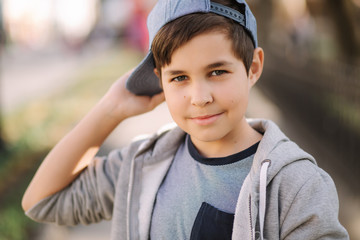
(230, 145)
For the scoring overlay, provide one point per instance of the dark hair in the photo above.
(178, 32)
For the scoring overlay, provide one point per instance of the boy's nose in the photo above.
(201, 94)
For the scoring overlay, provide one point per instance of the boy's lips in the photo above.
(206, 119)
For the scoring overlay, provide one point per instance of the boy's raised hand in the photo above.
(120, 103)
(74, 152)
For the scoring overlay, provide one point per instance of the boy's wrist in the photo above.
(110, 110)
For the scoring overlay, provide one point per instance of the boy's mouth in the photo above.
(206, 119)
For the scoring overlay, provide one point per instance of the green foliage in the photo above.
(13, 223)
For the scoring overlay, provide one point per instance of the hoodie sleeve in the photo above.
(313, 213)
(88, 199)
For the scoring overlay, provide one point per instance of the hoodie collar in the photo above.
(274, 147)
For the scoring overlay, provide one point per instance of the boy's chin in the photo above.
(206, 137)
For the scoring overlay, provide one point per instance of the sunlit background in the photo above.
(58, 57)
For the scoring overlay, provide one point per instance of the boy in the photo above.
(216, 175)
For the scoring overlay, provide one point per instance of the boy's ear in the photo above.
(159, 76)
(157, 73)
(257, 66)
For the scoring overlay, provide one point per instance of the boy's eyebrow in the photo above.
(210, 66)
(174, 72)
(218, 64)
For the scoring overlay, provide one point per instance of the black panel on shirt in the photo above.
(212, 224)
(221, 160)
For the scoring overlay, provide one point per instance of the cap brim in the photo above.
(143, 80)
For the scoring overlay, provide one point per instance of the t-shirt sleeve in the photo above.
(88, 199)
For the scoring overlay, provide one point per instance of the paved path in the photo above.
(25, 75)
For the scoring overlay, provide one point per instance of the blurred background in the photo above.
(58, 57)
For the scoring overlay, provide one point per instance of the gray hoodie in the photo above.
(285, 195)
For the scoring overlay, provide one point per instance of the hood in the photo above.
(275, 151)
(276, 148)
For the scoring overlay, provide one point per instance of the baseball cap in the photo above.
(143, 80)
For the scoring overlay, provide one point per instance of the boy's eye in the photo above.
(217, 72)
(179, 78)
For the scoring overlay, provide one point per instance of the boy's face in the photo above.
(206, 89)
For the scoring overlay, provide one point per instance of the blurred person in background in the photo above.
(136, 30)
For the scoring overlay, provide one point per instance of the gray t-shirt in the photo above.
(193, 181)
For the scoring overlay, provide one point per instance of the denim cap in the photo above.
(143, 80)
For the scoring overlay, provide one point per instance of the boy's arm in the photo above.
(313, 214)
(74, 152)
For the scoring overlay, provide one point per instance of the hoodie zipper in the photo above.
(130, 190)
(250, 216)
(130, 217)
